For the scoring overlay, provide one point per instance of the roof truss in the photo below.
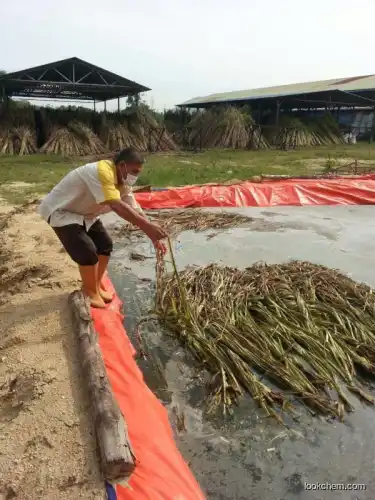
(69, 79)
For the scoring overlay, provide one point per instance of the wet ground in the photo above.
(247, 456)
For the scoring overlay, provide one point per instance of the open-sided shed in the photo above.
(68, 79)
(336, 93)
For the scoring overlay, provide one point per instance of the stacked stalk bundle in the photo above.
(147, 133)
(326, 130)
(303, 327)
(74, 139)
(116, 135)
(294, 133)
(228, 127)
(17, 131)
(17, 141)
(305, 132)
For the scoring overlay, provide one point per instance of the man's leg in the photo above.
(89, 276)
(104, 246)
(82, 250)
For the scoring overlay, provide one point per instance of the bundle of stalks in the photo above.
(326, 130)
(6, 142)
(118, 136)
(147, 133)
(201, 127)
(294, 133)
(18, 141)
(176, 221)
(76, 139)
(24, 140)
(303, 327)
(228, 127)
(304, 132)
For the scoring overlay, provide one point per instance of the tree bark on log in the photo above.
(116, 456)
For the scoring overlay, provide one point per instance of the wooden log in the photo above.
(116, 456)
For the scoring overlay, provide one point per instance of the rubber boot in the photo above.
(102, 267)
(90, 285)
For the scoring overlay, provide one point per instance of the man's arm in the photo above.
(130, 200)
(106, 193)
(128, 197)
(126, 212)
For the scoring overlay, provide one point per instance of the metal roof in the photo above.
(359, 87)
(69, 79)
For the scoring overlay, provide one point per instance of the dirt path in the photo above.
(46, 446)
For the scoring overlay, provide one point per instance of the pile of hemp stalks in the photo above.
(175, 221)
(307, 329)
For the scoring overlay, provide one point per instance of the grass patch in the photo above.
(43, 172)
(38, 174)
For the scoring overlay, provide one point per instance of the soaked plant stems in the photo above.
(307, 329)
(194, 219)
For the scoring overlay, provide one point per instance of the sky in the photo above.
(185, 49)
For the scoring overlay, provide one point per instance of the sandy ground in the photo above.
(46, 448)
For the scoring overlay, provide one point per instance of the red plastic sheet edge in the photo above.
(338, 191)
(161, 473)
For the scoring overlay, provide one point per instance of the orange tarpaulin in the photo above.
(337, 191)
(161, 473)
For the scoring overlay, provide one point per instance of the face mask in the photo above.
(131, 179)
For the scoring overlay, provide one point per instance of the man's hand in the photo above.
(154, 232)
(126, 212)
(160, 247)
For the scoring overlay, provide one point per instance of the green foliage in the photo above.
(330, 163)
(134, 100)
(177, 118)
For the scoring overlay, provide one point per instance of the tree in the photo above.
(134, 100)
(2, 73)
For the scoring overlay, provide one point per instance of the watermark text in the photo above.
(335, 487)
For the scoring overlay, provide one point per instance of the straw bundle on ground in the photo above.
(18, 140)
(118, 136)
(292, 133)
(307, 329)
(228, 127)
(76, 139)
(304, 132)
(147, 133)
(326, 130)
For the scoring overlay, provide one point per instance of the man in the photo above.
(73, 207)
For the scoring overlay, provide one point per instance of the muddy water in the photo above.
(247, 456)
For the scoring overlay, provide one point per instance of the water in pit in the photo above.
(248, 456)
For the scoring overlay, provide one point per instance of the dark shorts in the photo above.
(85, 246)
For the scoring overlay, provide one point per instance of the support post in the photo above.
(74, 73)
(116, 455)
(277, 112)
(105, 106)
(118, 104)
(94, 105)
(372, 134)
